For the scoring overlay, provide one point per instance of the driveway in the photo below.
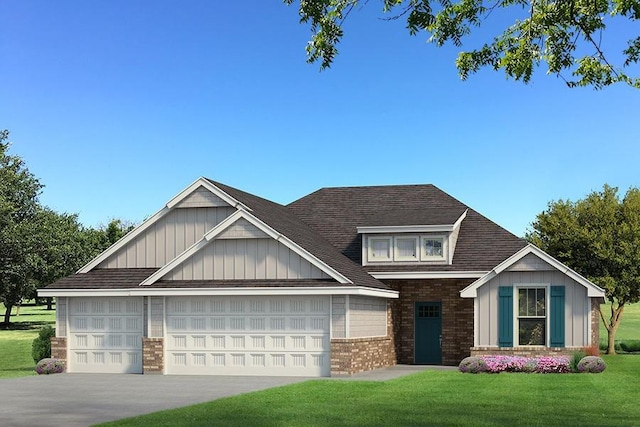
(86, 399)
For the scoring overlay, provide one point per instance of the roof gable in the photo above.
(592, 289)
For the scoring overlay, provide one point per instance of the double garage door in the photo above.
(283, 336)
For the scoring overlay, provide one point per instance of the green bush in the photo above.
(630, 346)
(576, 357)
(41, 347)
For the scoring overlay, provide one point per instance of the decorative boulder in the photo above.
(592, 364)
(50, 365)
(473, 365)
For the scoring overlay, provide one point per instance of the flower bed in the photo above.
(497, 364)
(50, 366)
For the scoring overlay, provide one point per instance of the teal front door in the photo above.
(428, 333)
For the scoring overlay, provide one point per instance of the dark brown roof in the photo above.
(337, 212)
(105, 278)
(284, 221)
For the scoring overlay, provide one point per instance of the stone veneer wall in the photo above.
(59, 348)
(352, 355)
(457, 316)
(152, 355)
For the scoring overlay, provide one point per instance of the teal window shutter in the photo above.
(557, 316)
(505, 316)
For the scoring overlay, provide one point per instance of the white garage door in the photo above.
(284, 336)
(105, 335)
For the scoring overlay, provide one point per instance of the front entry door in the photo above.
(428, 333)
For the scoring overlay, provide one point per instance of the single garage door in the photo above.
(105, 335)
(284, 336)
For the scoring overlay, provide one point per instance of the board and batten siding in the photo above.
(245, 259)
(167, 238)
(577, 305)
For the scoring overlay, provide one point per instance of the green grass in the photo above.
(15, 342)
(443, 398)
(629, 327)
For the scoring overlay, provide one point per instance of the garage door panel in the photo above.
(240, 336)
(105, 335)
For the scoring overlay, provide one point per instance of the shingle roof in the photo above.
(105, 278)
(336, 212)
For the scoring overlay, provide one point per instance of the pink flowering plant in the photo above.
(50, 365)
(497, 364)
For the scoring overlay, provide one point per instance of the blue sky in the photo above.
(118, 105)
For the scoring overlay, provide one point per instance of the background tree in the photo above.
(19, 191)
(599, 237)
(568, 35)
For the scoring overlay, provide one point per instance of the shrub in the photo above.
(630, 346)
(50, 366)
(592, 350)
(576, 357)
(553, 365)
(592, 364)
(473, 365)
(41, 347)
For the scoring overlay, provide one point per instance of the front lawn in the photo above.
(15, 342)
(444, 398)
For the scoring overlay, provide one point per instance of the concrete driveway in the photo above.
(86, 399)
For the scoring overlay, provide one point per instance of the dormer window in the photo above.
(380, 249)
(432, 248)
(406, 249)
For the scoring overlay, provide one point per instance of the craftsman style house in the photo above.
(343, 280)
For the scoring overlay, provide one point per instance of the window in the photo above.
(406, 249)
(432, 248)
(380, 249)
(532, 321)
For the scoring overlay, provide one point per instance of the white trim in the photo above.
(405, 229)
(228, 222)
(347, 321)
(471, 291)
(427, 274)
(291, 290)
(476, 322)
(200, 182)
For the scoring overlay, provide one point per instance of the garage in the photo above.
(238, 335)
(105, 335)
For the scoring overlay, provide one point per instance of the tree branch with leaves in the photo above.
(567, 35)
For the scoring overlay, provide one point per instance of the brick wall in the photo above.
(595, 320)
(457, 316)
(521, 351)
(59, 348)
(152, 355)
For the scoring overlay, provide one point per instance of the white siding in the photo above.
(367, 317)
(531, 263)
(577, 314)
(245, 259)
(61, 316)
(338, 316)
(156, 317)
(242, 229)
(202, 198)
(167, 238)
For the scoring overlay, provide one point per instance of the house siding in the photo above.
(457, 316)
(237, 259)
(367, 317)
(167, 238)
(61, 316)
(577, 307)
(202, 198)
(338, 316)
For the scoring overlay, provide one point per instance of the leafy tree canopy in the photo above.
(567, 35)
(599, 237)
